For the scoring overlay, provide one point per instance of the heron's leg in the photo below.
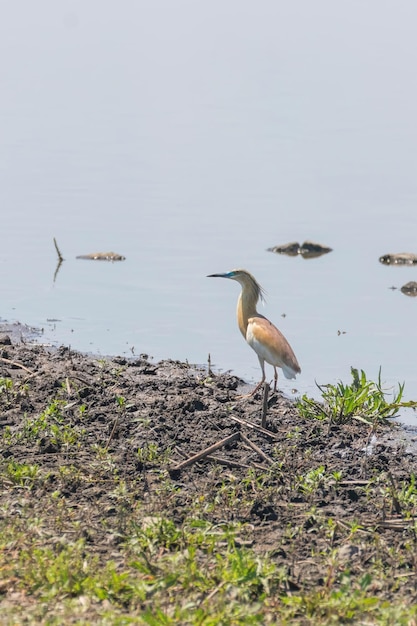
(275, 378)
(259, 385)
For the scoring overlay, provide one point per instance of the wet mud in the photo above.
(304, 489)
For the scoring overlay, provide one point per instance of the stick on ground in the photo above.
(206, 452)
(264, 431)
(257, 449)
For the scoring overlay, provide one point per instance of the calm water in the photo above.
(192, 136)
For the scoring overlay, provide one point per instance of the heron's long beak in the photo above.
(226, 275)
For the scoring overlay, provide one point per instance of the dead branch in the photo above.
(16, 364)
(58, 251)
(205, 453)
(264, 431)
(226, 462)
(256, 448)
(112, 431)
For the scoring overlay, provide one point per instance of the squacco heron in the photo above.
(268, 342)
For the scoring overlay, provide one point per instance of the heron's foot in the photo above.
(245, 396)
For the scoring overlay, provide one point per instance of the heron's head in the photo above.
(247, 281)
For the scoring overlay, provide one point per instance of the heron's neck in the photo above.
(246, 308)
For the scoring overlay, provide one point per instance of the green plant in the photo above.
(121, 402)
(337, 476)
(310, 482)
(6, 386)
(10, 390)
(362, 400)
(21, 474)
(7, 435)
(151, 453)
(400, 498)
(49, 424)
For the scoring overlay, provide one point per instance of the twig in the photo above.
(226, 462)
(16, 364)
(236, 464)
(209, 370)
(112, 431)
(359, 529)
(392, 523)
(213, 593)
(58, 251)
(351, 483)
(264, 431)
(181, 452)
(265, 404)
(256, 448)
(395, 524)
(82, 380)
(395, 500)
(206, 452)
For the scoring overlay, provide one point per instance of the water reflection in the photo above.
(60, 259)
(58, 267)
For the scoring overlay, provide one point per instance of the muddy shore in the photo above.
(289, 479)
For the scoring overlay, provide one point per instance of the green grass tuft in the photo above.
(362, 400)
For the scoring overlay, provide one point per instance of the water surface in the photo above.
(191, 137)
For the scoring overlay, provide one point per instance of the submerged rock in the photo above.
(410, 289)
(400, 258)
(102, 256)
(308, 250)
(292, 249)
